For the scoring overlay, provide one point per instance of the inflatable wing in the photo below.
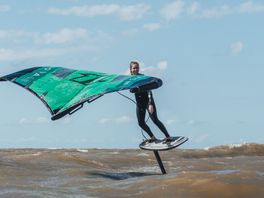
(64, 91)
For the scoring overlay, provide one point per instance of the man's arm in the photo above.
(150, 98)
(150, 102)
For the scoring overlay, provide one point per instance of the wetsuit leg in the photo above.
(155, 119)
(141, 112)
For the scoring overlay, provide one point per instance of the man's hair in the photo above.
(133, 63)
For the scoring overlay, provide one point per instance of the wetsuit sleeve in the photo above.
(150, 98)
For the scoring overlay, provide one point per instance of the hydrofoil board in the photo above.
(162, 145)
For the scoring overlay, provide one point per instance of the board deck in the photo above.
(161, 145)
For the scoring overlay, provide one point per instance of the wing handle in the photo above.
(76, 109)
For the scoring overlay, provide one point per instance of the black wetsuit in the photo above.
(144, 99)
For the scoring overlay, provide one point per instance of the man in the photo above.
(145, 102)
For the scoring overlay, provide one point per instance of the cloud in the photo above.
(247, 7)
(152, 26)
(251, 7)
(216, 12)
(89, 11)
(38, 120)
(189, 123)
(42, 120)
(28, 45)
(62, 36)
(21, 54)
(173, 10)
(4, 8)
(6, 54)
(157, 70)
(236, 47)
(194, 9)
(126, 12)
(16, 36)
(133, 12)
(201, 138)
(123, 119)
(118, 120)
(163, 65)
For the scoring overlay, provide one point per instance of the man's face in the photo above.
(134, 69)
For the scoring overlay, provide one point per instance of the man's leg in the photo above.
(155, 119)
(141, 112)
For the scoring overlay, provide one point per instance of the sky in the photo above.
(209, 55)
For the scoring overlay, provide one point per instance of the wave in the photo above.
(249, 149)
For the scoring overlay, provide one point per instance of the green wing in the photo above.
(65, 90)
